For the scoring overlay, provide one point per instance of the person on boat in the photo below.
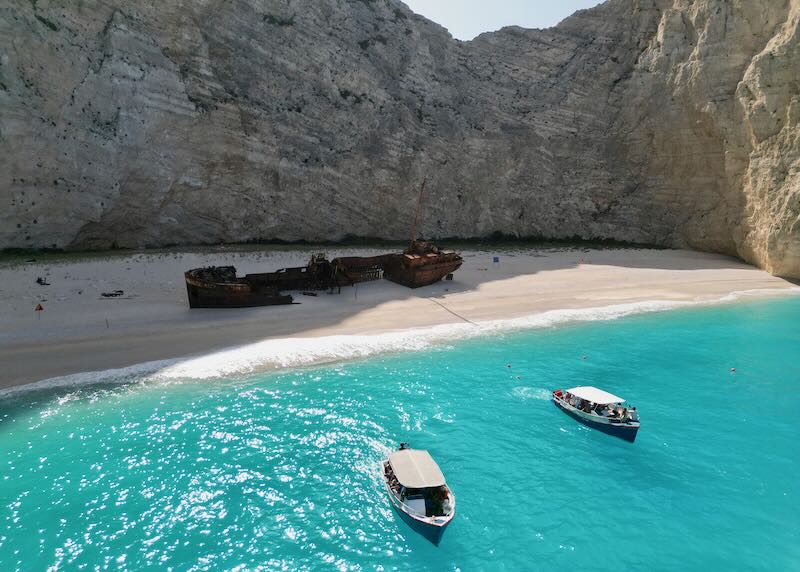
(447, 507)
(438, 499)
(394, 484)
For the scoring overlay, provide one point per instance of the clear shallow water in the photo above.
(280, 471)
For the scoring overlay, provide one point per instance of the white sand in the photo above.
(81, 331)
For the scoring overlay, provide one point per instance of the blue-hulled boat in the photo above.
(418, 492)
(600, 410)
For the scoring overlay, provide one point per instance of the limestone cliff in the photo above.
(672, 122)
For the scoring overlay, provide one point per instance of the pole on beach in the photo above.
(416, 215)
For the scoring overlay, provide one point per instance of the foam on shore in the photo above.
(276, 354)
(297, 352)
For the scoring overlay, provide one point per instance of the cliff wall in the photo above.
(672, 122)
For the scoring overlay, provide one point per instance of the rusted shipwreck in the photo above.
(221, 287)
(421, 264)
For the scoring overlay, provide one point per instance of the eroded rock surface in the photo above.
(672, 122)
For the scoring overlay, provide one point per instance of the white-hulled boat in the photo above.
(418, 491)
(600, 410)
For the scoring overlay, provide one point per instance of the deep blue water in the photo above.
(279, 471)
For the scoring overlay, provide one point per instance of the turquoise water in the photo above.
(279, 471)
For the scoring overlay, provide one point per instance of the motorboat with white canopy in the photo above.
(600, 410)
(418, 491)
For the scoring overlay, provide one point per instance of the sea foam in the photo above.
(275, 354)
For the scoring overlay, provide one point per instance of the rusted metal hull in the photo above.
(417, 271)
(220, 287)
(356, 269)
(316, 276)
(207, 290)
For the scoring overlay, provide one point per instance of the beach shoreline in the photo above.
(80, 331)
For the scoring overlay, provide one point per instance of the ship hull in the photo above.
(420, 275)
(205, 294)
(220, 287)
(203, 299)
(622, 431)
(348, 271)
(432, 533)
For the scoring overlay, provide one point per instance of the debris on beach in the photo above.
(114, 294)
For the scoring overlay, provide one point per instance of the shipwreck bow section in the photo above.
(422, 264)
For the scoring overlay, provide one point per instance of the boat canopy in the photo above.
(595, 395)
(416, 469)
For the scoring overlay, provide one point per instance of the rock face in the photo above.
(672, 122)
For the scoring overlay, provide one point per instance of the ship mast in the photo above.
(416, 216)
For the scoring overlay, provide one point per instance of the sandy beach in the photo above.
(79, 330)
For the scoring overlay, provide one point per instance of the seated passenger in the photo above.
(439, 502)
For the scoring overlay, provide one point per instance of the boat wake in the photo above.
(276, 354)
(532, 393)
